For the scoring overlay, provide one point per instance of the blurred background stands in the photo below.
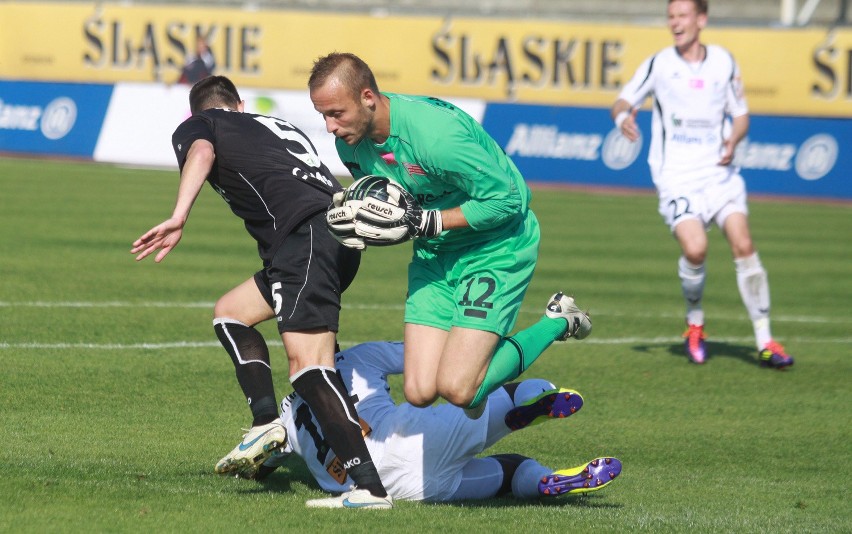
(722, 12)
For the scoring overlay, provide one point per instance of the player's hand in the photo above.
(163, 237)
(340, 220)
(629, 128)
(728, 148)
(383, 223)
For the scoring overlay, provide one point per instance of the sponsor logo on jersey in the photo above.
(686, 139)
(389, 158)
(353, 462)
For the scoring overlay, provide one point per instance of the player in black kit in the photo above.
(270, 175)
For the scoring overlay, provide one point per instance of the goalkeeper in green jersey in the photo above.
(475, 238)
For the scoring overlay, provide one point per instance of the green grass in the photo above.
(117, 401)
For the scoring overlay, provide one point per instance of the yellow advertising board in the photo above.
(786, 71)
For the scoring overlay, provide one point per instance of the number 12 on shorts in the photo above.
(484, 287)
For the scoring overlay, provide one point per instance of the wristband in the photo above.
(620, 118)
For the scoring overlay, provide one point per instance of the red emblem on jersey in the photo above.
(696, 83)
(414, 169)
(389, 159)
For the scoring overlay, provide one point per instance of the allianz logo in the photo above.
(546, 141)
(811, 160)
(54, 120)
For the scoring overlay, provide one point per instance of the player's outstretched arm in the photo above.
(163, 237)
(166, 235)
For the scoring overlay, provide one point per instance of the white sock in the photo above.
(530, 389)
(525, 481)
(754, 290)
(692, 283)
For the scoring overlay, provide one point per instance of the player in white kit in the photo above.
(430, 453)
(699, 116)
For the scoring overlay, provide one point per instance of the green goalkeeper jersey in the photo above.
(442, 156)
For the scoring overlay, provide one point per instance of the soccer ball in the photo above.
(378, 201)
(385, 212)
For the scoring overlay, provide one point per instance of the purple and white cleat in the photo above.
(585, 478)
(553, 404)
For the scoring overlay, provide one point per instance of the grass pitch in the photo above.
(117, 399)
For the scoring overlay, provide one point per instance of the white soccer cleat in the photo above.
(258, 444)
(579, 323)
(356, 498)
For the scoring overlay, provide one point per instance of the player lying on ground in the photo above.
(430, 453)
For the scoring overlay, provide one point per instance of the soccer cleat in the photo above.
(258, 444)
(579, 324)
(553, 404)
(585, 478)
(694, 344)
(278, 458)
(356, 498)
(773, 356)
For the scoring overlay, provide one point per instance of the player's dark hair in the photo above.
(700, 6)
(352, 71)
(213, 92)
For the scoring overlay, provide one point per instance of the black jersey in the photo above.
(266, 169)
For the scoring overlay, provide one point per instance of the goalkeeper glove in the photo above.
(341, 223)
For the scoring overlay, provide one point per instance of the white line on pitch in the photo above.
(397, 307)
(207, 344)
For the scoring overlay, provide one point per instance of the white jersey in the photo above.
(691, 109)
(418, 452)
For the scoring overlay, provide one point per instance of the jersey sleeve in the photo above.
(641, 85)
(735, 98)
(470, 160)
(364, 369)
(189, 131)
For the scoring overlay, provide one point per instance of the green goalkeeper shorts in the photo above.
(480, 288)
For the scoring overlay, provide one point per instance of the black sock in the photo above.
(250, 355)
(509, 463)
(510, 388)
(322, 389)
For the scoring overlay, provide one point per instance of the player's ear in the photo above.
(369, 98)
(241, 106)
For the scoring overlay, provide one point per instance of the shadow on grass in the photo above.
(280, 481)
(715, 349)
(563, 501)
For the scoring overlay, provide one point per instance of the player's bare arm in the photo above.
(739, 130)
(624, 116)
(166, 235)
(453, 218)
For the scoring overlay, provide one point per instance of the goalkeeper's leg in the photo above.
(514, 355)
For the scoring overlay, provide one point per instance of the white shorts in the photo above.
(706, 202)
(426, 449)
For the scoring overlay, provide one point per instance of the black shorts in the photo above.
(306, 276)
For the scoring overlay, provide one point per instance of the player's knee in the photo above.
(458, 394)
(742, 248)
(418, 394)
(695, 254)
(224, 308)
